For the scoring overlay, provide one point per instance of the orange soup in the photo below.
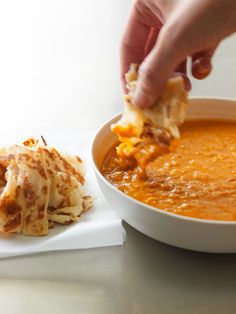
(196, 178)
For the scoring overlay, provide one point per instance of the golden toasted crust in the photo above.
(38, 184)
(23, 205)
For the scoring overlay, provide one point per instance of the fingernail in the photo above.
(141, 99)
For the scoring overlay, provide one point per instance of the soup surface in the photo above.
(196, 178)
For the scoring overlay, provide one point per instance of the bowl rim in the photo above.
(146, 206)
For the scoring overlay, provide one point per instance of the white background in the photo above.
(59, 64)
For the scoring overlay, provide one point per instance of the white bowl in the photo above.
(188, 233)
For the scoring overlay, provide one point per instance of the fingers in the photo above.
(201, 63)
(155, 71)
(140, 33)
(160, 51)
(182, 71)
(133, 42)
(162, 59)
(151, 40)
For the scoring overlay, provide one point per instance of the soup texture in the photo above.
(195, 178)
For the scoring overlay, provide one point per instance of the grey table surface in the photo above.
(142, 276)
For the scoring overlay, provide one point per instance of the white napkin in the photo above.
(100, 226)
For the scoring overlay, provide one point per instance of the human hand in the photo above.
(161, 34)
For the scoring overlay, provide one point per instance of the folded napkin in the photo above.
(99, 227)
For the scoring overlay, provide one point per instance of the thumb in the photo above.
(155, 70)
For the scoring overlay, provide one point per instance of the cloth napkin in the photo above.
(99, 227)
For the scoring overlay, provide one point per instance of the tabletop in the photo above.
(143, 276)
(60, 70)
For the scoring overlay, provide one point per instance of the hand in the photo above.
(161, 34)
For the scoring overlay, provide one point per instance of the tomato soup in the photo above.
(195, 178)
